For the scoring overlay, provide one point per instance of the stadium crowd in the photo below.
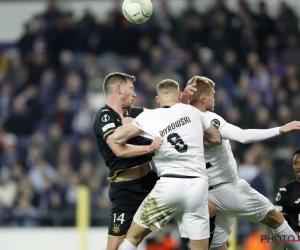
(51, 87)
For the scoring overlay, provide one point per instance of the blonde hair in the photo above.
(113, 78)
(203, 84)
(167, 86)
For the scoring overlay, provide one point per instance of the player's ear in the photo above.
(157, 100)
(118, 89)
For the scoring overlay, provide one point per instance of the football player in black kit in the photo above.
(287, 200)
(131, 177)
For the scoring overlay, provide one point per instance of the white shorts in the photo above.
(236, 199)
(179, 198)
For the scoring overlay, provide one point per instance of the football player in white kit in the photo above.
(180, 164)
(234, 197)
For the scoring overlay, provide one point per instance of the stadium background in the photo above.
(51, 86)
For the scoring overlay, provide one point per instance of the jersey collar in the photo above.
(126, 112)
(165, 107)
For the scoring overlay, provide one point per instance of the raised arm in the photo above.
(235, 133)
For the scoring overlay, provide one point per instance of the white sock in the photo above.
(287, 233)
(127, 245)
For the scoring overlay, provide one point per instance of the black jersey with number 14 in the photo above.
(106, 122)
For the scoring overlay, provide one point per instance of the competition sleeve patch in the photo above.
(216, 123)
(105, 124)
(281, 200)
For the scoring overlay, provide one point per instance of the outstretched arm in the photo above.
(235, 133)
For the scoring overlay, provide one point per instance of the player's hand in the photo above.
(156, 143)
(295, 125)
(188, 91)
(127, 120)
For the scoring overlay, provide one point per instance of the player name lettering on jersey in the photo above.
(172, 126)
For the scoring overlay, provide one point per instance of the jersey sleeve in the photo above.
(281, 200)
(218, 122)
(144, 121)
(235, 133)
(105, 124)
(205, 123)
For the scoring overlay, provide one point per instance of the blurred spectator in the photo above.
(6, 97)
(63, 115)
(83, 119)
(40, 172)
(19, 121)
(25, 215)
(263, 183)
(9, 154)
(265, 27)
(71, 191)
(287, 21)
(52, 10)
(249, 169)
(8, 189)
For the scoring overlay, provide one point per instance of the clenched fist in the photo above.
(156, 143)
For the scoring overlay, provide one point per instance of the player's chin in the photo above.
(129, 105)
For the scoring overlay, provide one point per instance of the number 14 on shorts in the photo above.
(119, 218)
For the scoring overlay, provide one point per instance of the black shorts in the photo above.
(126, 197)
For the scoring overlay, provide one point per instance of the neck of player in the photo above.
(168, 103)
(199, 105)
(116, 105)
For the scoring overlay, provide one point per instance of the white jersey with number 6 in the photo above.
(220, 163)
(182, 152)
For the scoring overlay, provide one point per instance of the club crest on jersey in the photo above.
(116, 228)
(216, 123)
(278, 197)
(105, 118)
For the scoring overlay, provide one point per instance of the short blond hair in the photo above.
(203, 84)
(115, 77)
(167, 86)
